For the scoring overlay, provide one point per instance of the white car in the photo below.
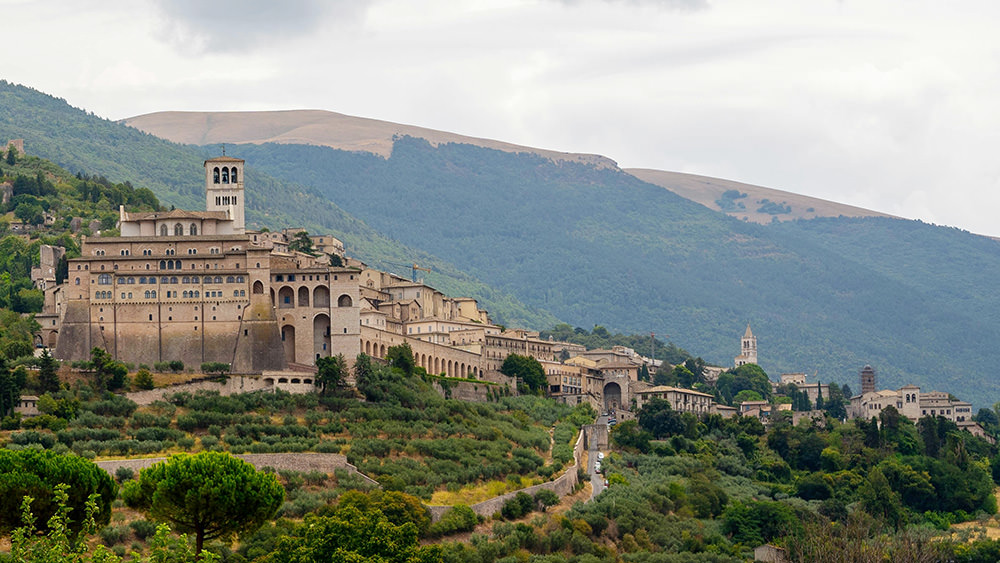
(600, 455)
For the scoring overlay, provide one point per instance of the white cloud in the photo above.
(881, 103)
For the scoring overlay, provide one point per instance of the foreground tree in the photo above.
(352, 535)
(210, 494)
(60, 545)
(37, 473)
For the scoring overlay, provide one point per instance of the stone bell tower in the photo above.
(748, 349)
(224, 189)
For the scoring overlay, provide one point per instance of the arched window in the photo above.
(193, 230)
(104, 279)
(173, 280)
(344, 301)
(153, 294)
(258, 287)
(230, 279)
(225, 175)
(194, 279)
(163, 230)
(163, 264)
(146, 295)
(185, 279)
(178, 230)
(164, 280)
(239, 279)
(218, 279)
(215, 175)
(233, 177)
(185, 295)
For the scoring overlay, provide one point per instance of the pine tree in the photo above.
(48, 379)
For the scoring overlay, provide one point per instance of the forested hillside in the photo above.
(597, 246)
(82, 142)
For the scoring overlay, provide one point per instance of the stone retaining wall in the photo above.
(231, 386)
(327, 463)
(562, 486)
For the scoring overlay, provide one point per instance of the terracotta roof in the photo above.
(224, 159)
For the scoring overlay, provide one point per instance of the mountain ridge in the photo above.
(358, 134)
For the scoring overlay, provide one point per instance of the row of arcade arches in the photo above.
(288, 298)
(433, 364)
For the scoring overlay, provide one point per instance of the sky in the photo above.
(887, 105)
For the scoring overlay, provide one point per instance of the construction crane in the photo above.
(413, 269)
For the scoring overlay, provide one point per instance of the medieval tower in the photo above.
(224, 189)
(867, 375)
(748, 348)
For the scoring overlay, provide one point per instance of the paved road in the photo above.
(596, 479)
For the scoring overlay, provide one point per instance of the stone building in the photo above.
(195, 286)
(748, 349)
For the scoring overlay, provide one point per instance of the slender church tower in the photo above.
(748, 348)
(224, 189)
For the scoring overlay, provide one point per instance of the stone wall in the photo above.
(562, 486)
(327, 463)
(596, 436)
(466, 390)
(231, 386)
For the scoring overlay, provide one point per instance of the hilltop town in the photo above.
(198, 287)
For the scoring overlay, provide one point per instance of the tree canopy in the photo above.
(36, 473)
(210, 494)
(527, 369)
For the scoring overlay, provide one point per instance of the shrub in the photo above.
(113, 535)
(143, 528)
(143, 379)
(459, 518)
(123, 474)
(546, 498)
(518, 506)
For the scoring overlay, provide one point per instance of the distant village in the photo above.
(197, 287)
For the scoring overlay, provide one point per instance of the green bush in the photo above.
(459, 518)
(143, 528)
(113, 535)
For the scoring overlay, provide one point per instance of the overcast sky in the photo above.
(889, 105)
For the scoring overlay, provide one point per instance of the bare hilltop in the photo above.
(358, 134)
